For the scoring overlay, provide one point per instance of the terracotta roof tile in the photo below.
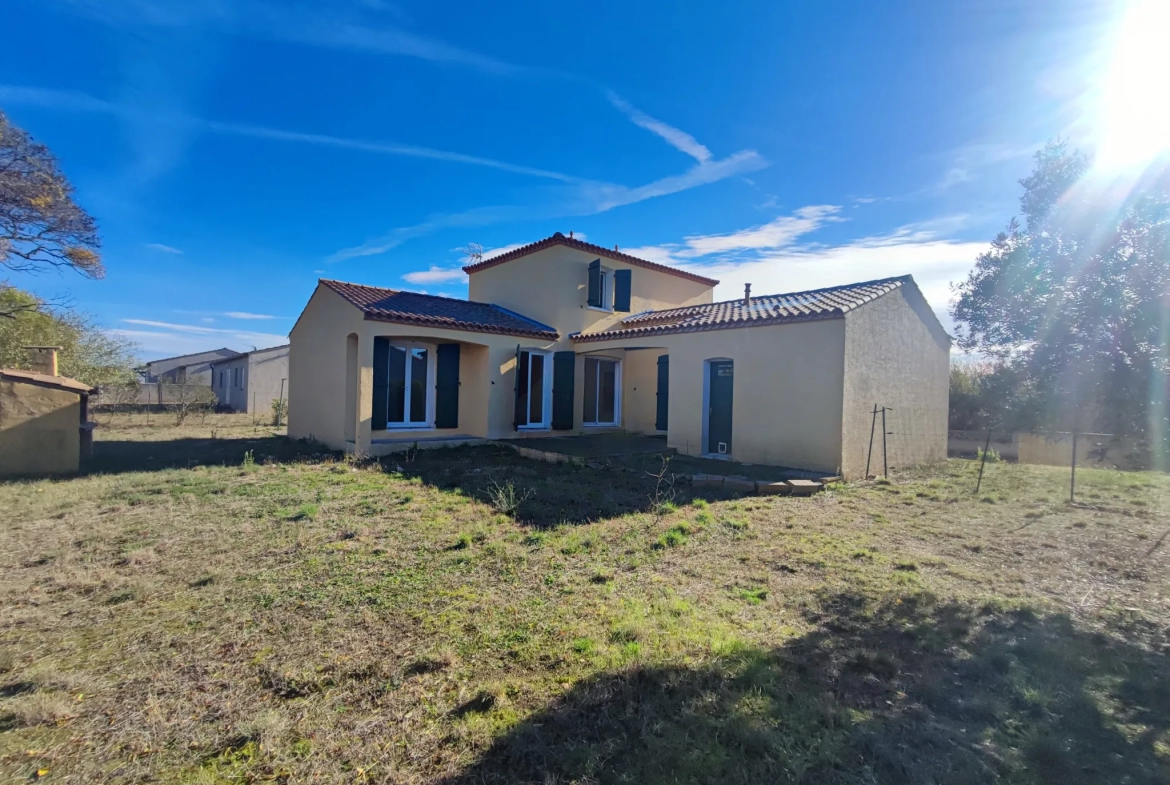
(392, 305)
(580, 245)
(44, 380)
(830, 303)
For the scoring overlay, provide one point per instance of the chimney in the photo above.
(43, 359)
(747, 295)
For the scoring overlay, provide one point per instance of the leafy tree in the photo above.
(41, 226)
(87, 353)
(1077, 299)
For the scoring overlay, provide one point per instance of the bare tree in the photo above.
(192, 399)
(41, 226)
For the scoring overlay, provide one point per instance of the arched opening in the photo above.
(351, 387)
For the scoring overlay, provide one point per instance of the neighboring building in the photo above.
(186, 368)
(565, 337)
(251, 382)
(44, 422)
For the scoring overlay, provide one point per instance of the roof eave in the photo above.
(371, 317)
(702, 328)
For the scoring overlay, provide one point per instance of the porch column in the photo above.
(365, 394)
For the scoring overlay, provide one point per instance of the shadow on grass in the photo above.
(551, 494)
(905, 692)
(116, 457)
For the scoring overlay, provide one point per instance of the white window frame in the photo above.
(606, 286)
(545, 394)
(617, 393)
(429, 423)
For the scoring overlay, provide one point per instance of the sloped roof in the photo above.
(831, 303)
(246, 355)
(44, 380)
(581, 245)
(196, 357)
(392, 305)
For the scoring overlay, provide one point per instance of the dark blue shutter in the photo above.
(381, 382)
(663, 400)
(595, 283)
(564, 368)
(621, 290)
(447, 386)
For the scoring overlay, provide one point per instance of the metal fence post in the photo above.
(885, 463)
(986, 447)
(869, 455)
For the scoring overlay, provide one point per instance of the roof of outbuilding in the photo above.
(44, 380)
(581, 245)
(246, 355)
(831, 303)
(392, 305)
(222, 351)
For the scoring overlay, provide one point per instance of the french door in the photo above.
(407, 387)
(533, 389)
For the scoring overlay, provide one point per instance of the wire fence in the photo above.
(898, 436)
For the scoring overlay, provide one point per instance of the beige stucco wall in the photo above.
(551, 286)
(787, 396)
(639, 390)
(39, 430)
(263, 376)
(896, 355)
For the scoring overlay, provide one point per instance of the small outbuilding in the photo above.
(251, 382)
(44, 422)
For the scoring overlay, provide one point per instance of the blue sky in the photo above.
(235, 151)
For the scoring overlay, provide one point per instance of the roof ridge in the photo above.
(559, 239)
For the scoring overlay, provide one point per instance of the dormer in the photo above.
(576, 286)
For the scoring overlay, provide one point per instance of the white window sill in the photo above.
(534, 427)
(599, 425)
(419, 427)
(602, 310)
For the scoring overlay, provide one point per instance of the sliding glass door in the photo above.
(603, 398)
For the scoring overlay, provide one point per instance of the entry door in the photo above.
(722, 382)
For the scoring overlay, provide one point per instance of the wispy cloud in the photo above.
(175, 338)
(588, 198)
(68, 100)
(245, 315)
(774, 259)
(344, 25)
(384, 148)
(435, 275)
(780, 232)
(680, 140)
(197, 329)
(163, 248)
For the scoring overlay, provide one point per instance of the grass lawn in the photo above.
(231, 608)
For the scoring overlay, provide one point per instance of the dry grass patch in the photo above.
(294, 617)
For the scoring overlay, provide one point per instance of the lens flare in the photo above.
(1134, 111)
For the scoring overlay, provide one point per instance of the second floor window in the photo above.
(609, 290)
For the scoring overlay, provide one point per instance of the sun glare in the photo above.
(1135, 108)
